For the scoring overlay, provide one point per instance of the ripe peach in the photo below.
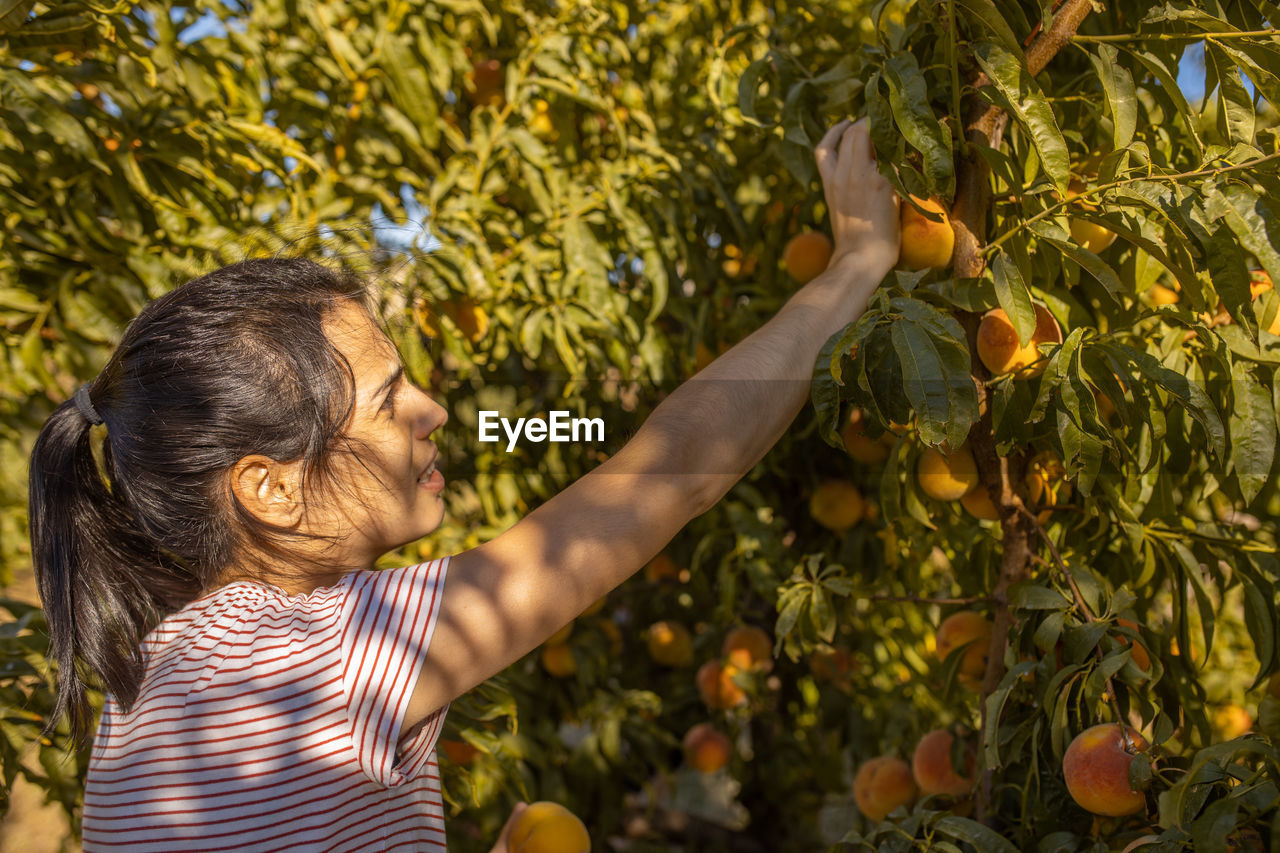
(979, 504)
(457, 751)
(486, 82)
(999, 347)
(1139, 654)
(1260, 283)
(705, 749)
(925, 243)
(749, 647)
(716, 686)
(806, 255)
(882, 785)
(868, 451)
(1231, 721)
(949, 477)
(1161, 295)
(837, 505)
(972, 630)
(670, 644)
(661, 568)
(1088, 235)
(1096, 769)
(835, 666)
(932, 769)
(558, 660)
(546, 827)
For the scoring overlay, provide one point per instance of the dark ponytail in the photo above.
(101, 582)
(231, 364)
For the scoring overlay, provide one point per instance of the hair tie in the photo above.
(85, 405)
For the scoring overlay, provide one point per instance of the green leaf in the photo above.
(1029, 106)
(1253, 432)
(909, 100)
(985, 12)
(935, 372)
(1088, 261)
(1187, 393)
(982, 837)
(1236, 118)
(1014, 296)
(1122, 99)
(1026, 595)
(1169, 88)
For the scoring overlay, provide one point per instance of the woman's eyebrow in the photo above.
(389, 381)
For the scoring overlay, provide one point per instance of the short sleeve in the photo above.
(388, 618)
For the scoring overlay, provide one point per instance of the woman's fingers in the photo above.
(825, 153)
(501, 845)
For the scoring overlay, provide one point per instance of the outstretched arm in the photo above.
(505, 597)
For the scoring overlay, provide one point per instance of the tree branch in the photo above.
(984, 126)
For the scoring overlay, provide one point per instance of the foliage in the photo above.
(615, 207)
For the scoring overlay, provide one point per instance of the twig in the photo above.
(975, 599)
(1123, 37)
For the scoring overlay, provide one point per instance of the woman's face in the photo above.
(387, 492)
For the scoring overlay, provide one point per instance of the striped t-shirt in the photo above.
(270, 722)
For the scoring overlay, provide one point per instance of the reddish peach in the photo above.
(1139, 654)
(1096, 769)
(706, 749)
(749, 647)
(973, 631)
(716, 686)
(1000, 349)
(932, 769)
(882, 785)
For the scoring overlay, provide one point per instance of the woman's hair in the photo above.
(233, 363)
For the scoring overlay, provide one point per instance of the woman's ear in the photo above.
(270, 490)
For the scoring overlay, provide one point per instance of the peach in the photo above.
(1001, 351)
(1231, 721)
(459, 752)
(947, 477)
(705, 749)
(546, 827)
(834, 665)
(1088, 235)
(979, 504)
(1161, 295)
(1096, 769)
(558, 660)
(486, 82)
(716, 686)
(837, 505)
(749, 647)
(1260, 283)
(670, 644)
(1139, 654)
(882, 785)
(925, 243)
(661, 568)
(868, 451)
(806, 255)
(932, 769)
(972, 630)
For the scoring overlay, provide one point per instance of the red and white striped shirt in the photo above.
(270, 722)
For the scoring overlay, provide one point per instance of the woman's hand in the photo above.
(862, 205)
(500, 846)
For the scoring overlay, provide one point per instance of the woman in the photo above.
(261, 448)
